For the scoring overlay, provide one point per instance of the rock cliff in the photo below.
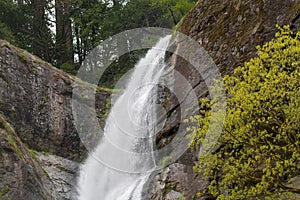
(36, 116)
(35, 97)
(229, 30)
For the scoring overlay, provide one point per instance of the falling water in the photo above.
(120, 164)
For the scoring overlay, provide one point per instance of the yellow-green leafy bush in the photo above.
(258, 152)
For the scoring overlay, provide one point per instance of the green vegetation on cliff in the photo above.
(258, 153)
(11, 136)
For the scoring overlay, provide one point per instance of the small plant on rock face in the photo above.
(22, 58)
(258, 152)
(181, 197)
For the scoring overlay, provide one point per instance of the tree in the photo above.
(25, 24)
(81, 25)
(174, 9)
(42, 42)
(88, 19)
(7, 8)
(6, 33)
(258, 153)
(64, 36)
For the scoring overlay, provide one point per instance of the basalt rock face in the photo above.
(229, 30)
(27, 174)
(36, 116)
(62, 173)
(36, 99)
(20, 174)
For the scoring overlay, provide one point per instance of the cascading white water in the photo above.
(126, 145)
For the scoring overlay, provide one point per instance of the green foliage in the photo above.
(6, 33)
(22, 58)
(258, 152)
(29, 25)
(4, 191)
(11, 137)
(174, 9)
(165, 161)
(68, 68)
(25, 24)
(95, 21)
(181, 197)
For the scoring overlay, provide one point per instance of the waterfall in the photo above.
(122, 161)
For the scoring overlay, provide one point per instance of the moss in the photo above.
(23, 58)
(165, 161)
(102, 88)
(182, 197)
(179, 24)
(44, 101)
(6, 44)
(10, 136)
(168, 187)
(4, 191)
(109, 90)
(12, 142)
(37, 62)
(34, 154)
(104, 116)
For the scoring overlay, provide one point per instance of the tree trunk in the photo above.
(41, 37)
(173, 16)
(64, 38)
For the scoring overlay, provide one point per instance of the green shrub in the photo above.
(258, 152)
(68, 68)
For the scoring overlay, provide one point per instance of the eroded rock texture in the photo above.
(20, 173)
(229, 30)
(36, 116)
(36, 99)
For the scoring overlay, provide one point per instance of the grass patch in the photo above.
(37, 62)
(34, 154)
(10, 134)
(6, 44)
(22, 58)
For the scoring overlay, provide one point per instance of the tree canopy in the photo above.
(258, 153)
(80, 25)
(63, 32)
